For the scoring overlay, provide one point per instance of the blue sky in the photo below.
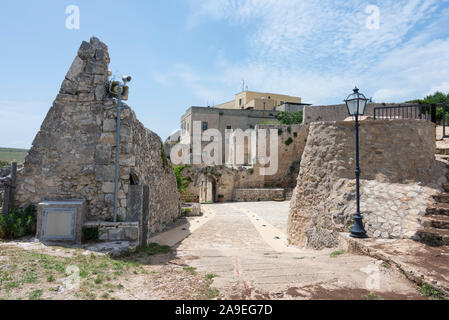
(184, 53)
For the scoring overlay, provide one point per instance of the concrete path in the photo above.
(245, 245)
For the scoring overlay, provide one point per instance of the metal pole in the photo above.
(357, 231)
(117, 150)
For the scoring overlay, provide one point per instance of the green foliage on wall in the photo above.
(164, 156)
(289, 141)
(181, 182)
(289, 117)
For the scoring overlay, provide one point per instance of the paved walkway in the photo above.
(245, 245)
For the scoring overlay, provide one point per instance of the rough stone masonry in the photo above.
(399, 175)
(73, 155)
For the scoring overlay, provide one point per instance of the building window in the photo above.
(240, 102)
(204, 125)
(251, 126)
(228, 127)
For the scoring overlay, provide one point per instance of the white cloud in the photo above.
(319, 49)
(443, 87)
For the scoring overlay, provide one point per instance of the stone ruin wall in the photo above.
(291, 143)
(73, 154)
(399, 175)
(229, 179)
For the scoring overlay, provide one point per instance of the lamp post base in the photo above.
(358, 235)
(358, 231)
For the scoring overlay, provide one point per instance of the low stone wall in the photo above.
(398, 176)
(249, 195)
(115, 231)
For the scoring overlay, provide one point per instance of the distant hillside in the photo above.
(10, 154)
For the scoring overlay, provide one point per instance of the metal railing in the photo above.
(415, 111)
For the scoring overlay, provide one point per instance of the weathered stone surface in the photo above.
(73, 155)
(397, 180)
(116, 234)
(258, 194)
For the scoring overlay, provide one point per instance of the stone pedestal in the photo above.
(61, 221)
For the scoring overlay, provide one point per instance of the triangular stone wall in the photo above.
(73, 154)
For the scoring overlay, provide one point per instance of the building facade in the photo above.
(258, 101)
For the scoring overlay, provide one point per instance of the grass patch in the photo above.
(41, 270)
(10, 154)
(372, 296)
(35, 294)
(211, 293)
(190, 270)
(337, 253)
(210, 276)
(153, 249)
(428, 291)
(30, 277)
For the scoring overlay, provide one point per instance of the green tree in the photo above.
(289, 117)
(436, 98)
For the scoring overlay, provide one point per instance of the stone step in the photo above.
(442, 151)
(442, 197)
(435, 221)
(438, 209)
(433, 237)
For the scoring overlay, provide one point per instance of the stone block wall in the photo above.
(291, 143)
(73, 154)
(248, 195)
(398, 176)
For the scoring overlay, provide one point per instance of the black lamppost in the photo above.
(356, 103)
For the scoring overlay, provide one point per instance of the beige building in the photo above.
(222, 120)
(258, 101)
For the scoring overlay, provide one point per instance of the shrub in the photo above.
(163, 156)
(18, 223)
(289, 117)
(251, 171)
(91, 234)
(180, 181)
(280, 132)
(289, 141)
(428, 291)
(4, 163)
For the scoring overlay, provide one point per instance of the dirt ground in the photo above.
(56, 273)
(234, 251)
